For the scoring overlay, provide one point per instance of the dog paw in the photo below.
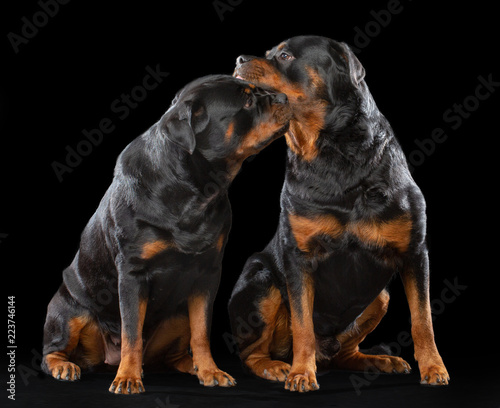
(127, 385)
(434, 375)
(390, 364)
(66, 371)
(215, 377)
(302, 381)
(275, 371)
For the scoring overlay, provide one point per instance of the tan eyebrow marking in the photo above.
(229, 131)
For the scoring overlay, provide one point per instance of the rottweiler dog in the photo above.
(142, 284)
(352, 217)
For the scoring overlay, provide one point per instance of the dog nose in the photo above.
(243, 58)
(280, 98)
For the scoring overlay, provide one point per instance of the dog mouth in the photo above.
(250, 74)
(238, 74)
(282, 112)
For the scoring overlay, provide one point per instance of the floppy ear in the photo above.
(356, 70)
(181, 123)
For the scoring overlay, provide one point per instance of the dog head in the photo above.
(225, 119)
(319, 75)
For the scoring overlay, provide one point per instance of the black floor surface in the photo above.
(469, 387)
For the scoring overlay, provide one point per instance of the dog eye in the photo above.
(248, 103)
(286, 57)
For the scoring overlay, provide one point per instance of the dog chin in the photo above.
(283, 130)
(237, 74)
(240, 74)
(280, 132)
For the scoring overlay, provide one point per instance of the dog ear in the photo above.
(356, 70)
(182, 122)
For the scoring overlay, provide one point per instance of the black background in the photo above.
(419, 64)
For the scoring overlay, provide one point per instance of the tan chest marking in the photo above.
(305, 229)
(150, 249)
(395, 233)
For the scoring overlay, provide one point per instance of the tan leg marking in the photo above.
(128, 378)
(302, 376)
(349, 356)
(207, 371)
(430, 363)
(58, 361)
(276, 336)
(172, 332)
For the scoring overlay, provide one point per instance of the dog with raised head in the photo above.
(352, 217)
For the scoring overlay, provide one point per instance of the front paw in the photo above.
(301, 381)
(66, 371)
(435, 374)
(127, 385)
(214, 377)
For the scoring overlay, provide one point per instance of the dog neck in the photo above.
(305, 128)
(150, 164)
(347, 143)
